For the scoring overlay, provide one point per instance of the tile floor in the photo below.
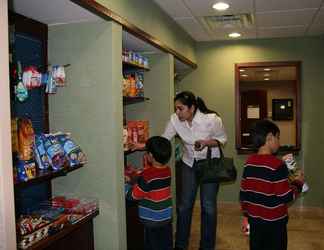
(305, 229)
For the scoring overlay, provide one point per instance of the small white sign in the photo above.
(253, 112)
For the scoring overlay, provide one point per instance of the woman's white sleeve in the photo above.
(169, 131)
(219, 131)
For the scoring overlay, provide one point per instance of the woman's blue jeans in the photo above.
(208, 203)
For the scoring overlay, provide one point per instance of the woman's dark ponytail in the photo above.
(203, 108)
(188, 99)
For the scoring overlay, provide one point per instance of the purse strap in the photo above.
(220, 152)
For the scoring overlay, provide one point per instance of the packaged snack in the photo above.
(138, 131)
(54, 151)
(51, 84)
(26, 170)
(72, 152)
(294, 170)
(20, 89)
(31, 77)
(40, 153)
(25, 139)
(14, 135)
(58, 75)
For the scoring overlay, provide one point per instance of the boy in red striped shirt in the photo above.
(153, 191)
(265, 190)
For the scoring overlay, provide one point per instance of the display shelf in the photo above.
(133, 66)
(68, 229)
(131, 100)
(128, 152)
(47, 175)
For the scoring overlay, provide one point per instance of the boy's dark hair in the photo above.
(160, 148)
(260, 130)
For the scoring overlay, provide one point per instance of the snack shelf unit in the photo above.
(134, 228)
(28, 194)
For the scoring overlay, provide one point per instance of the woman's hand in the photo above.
(201, 144)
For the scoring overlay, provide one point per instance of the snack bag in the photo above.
(26, 170)
(54, 151)
(40, 152)
(294, 170)
(59, 75)
(14, 135)
(72, 152)
(25, 139)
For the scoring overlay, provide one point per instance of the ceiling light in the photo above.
(242, 70)
(244, 75)
(267, 69)
(220, 6)
(266, 79)
(234, 35)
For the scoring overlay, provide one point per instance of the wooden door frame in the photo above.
(297, 64)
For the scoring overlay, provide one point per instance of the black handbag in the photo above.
(215, 170)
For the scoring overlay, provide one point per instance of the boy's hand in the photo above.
(299, 176)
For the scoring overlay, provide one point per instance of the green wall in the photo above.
(149, 17)
(90, 107)
(214, 81)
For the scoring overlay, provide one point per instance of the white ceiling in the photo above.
(272, 18)
(58, 12)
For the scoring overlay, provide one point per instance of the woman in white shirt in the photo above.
(198, 128)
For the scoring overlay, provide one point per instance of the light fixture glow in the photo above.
(267, 69)
(266, 79)
(244, 75)
(220, 6)
(266, 75)
(242, 70)
(234, 35)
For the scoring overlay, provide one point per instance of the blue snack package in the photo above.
(40, 152)
(54, 151)
(21, 172)
(26, 170)
(72, 152)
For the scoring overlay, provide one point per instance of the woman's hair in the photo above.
(188, 99)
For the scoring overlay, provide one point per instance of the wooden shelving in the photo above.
(65, 232)
(130, 65)
(127, 100)
(46, 175)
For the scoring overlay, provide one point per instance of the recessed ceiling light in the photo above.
(220, 6)
(267, 69)
(266, 79)
(244, 75)
(242, 70)
(234, 35)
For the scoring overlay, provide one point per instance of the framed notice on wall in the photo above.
(253, 112)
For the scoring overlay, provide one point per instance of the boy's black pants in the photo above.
(268, 236)
(158, 237)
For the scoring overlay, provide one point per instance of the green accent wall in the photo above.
(149, 17)
(90, 107)
(214, 81)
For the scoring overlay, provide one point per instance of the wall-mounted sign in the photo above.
(253, 112)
